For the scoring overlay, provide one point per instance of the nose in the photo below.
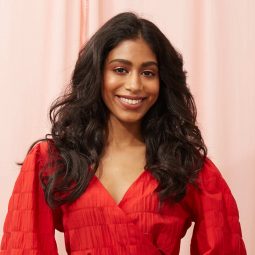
(134, 82)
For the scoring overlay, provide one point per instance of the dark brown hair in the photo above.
(175, 151)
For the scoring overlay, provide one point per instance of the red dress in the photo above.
(94, 224)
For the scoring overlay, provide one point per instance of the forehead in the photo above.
(132, 49)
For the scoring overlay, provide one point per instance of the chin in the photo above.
(130, 119)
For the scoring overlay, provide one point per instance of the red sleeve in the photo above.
(29, 227)
(217, 229)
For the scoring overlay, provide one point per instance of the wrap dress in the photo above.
(95, 224)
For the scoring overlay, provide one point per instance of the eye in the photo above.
(148, 73)
(120, 70)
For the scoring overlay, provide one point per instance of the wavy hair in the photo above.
(175, 150)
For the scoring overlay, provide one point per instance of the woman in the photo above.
(126, 169)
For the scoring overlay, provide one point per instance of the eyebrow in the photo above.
(127, 62)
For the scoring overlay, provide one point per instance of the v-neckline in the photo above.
(126, 192)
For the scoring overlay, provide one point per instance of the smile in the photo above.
(130, 101)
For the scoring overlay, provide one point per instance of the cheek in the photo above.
(106, 87)
(110, 84)
(105, 94)
(154, 90)
(108, 91)
(157, 88)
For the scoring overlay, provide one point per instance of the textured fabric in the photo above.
(94, 224)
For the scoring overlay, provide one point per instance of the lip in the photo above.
(127, 106)
(132, 97)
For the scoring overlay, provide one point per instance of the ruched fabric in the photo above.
(96, 225)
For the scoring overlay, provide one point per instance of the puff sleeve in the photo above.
(29, 225)
(217, 229)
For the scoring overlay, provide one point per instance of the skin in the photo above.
(130, 72)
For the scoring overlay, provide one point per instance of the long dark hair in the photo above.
(175, 151)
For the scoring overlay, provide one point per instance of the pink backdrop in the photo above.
(39, 45)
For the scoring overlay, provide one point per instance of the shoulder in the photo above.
(215, 213)
(42, 145)
(40, 151)
(210, 178)
(212, 192)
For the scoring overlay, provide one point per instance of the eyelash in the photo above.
(118, 69)
(151, 74)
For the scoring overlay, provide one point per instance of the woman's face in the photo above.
(130, 80)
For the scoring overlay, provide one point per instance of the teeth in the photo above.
(130, 101)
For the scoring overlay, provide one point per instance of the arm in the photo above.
(217, 229)
(29, 227)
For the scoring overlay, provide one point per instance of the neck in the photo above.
(123, 134)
